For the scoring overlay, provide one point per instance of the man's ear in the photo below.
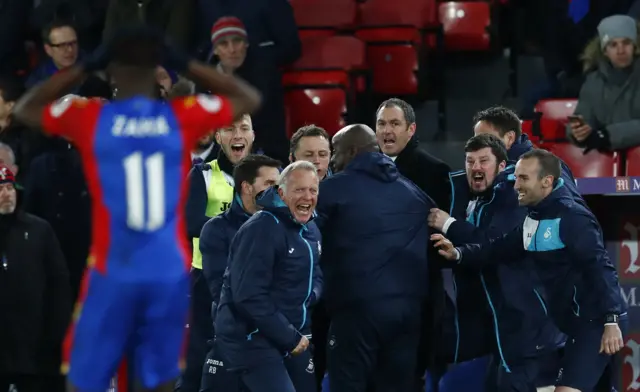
(281, 192)
(217, 137)
(291, 158)
(502, 165)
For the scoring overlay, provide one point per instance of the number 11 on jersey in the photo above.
(145, 209)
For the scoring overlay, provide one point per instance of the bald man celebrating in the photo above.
(374, 260)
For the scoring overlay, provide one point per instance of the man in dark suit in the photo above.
(395, 133)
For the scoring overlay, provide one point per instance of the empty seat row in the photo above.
(465, 24)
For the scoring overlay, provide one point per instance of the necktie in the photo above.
(197, 161)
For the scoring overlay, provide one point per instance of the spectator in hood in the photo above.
(608, 110)
(35, 302)
(271, 42)
(61, 46)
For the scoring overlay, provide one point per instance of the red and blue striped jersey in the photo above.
(136, 157)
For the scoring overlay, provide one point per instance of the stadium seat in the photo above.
(553, 117)
(392, 56)
(527, 129)
(466, 25)
(321, 18)
(633, 162)
(343, 52)
(592, 164)
(316, 97)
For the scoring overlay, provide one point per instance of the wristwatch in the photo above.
(611, 319)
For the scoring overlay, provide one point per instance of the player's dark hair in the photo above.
(407, 110)
(11, 88)
(550, 165)
(307, 131)
(501, 118)
(247, 170)
(139, 47)
(485, 140)
(55, 24)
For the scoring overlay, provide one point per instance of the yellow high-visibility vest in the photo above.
(219, 197)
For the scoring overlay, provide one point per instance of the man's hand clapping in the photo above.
(445, 247)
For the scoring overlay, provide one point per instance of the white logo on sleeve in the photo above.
(547, 233)
(210, 103)
(60, 106)
(291, 250)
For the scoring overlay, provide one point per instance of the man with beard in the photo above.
(35, 297)
(500, 310)
(210, 194)
(374, 229)
(251, 176)
(206, 150)
(505, 124)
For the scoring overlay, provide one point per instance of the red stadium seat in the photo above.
(323, 17)
(592, 164)
(633, 162)
(385, 13)
(466, 25)
(392, 56)
(344, 52)
(316, 97)
(527, 129)
(554, 113)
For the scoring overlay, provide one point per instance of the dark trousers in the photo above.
(200, 332)
(373, 348)
(320, 323)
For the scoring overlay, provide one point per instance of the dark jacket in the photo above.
(523, 145)
(35, 297)
(426, 171)
(375, 234)
(272, 278)
(579, 279)
(56, 191)
(197, 197)
(215, 240)
(512, 293)
(174, 17)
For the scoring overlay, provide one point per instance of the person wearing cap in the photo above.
(230, 44)
(35, 297)
(607, 116)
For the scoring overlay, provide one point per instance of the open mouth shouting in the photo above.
(303, 212)
(389, 141)
(238, 149)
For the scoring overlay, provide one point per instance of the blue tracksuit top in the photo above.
(564, 240)
(512, 293)
(215, 240)
(272, 277)
(375, 234)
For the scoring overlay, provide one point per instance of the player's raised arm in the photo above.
(244, 98)
(31, 107)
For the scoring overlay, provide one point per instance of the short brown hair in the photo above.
(307, 131)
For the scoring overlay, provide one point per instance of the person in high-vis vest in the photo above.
(210, 194)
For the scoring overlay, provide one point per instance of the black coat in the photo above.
(426, 171)
(35, 297)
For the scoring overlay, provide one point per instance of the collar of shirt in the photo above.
(203, 155)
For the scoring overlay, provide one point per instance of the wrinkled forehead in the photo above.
(390, 113)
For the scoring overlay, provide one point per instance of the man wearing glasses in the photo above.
(61, 45)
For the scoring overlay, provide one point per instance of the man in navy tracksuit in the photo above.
(565, 242)
(252, 175)
(375, 242)
(505, 123)
(501, 309)
(272, 278)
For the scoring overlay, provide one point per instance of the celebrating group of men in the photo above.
(364, 270)
(366, 247)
